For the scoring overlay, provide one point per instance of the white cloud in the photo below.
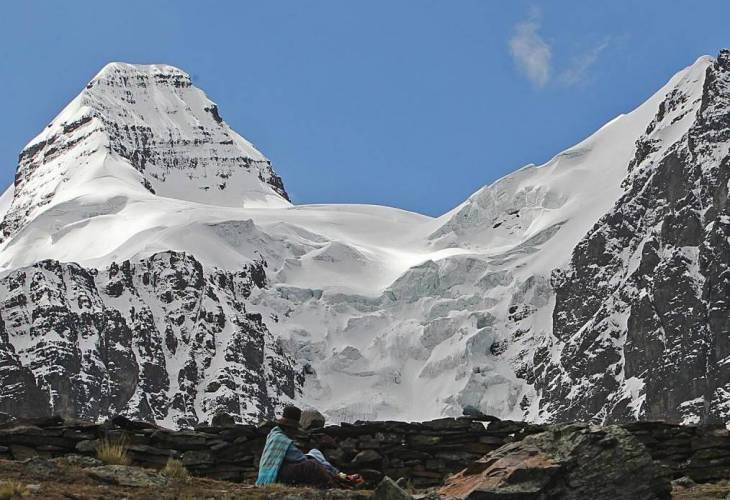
(577, 72)
(530, 51)
(533, 55)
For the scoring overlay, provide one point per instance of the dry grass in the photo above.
(706, 491)
(10, 490)
(175, 470)
(73, 482)
(113, 452)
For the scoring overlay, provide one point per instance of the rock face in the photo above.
(158, 339)
(571, 462)
(642, 314)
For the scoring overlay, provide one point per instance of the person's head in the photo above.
(289, 419)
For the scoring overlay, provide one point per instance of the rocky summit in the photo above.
(153, 266)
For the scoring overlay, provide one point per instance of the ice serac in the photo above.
(140, 127)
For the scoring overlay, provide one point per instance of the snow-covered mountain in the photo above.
(151, 264)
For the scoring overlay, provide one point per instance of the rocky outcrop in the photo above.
(20, 394)
(161, 339)
(570, 462)
(642, 315)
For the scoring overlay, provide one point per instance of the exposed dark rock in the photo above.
(174, 303)
(311, 419)
(222, 420)
(572, 462)
(642, 314)
(367, 457)
(131, 425)
(41, 467)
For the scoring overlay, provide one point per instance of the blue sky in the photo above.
(413, 104)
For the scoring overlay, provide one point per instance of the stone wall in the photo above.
(424, 452)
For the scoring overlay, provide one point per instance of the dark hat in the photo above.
(290, 417)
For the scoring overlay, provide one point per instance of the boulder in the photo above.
(389, 490)
(475, 413)
(311, 419)
(41, 467)
(567, 462)
(222, 420)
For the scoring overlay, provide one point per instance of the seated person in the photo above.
(282, 461)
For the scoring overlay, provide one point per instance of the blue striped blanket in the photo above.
(274, 450)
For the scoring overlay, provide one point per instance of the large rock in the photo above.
(42, 468)
(389, 490)
(311, 419)
(222, 420)
(570, 462)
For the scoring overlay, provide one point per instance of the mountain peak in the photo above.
(140, 75)
(130, 68)
(149, 129)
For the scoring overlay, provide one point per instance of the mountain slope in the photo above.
(536, 298)
(156, 338)
(644, 305)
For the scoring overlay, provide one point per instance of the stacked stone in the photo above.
(423, 452)
(701, 453)
(426, 452)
